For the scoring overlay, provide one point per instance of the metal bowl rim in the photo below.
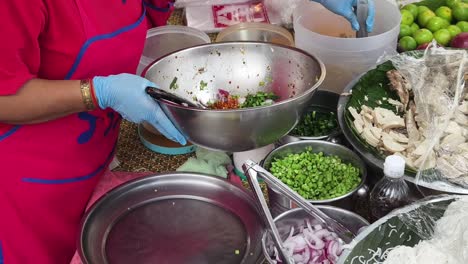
(89, 212)
(227, 43)
(362, 166)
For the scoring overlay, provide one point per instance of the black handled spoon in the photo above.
(159, 94)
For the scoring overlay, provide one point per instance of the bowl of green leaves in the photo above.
(319, 121)
(320, 171)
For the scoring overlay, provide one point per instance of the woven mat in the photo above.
(135, 157)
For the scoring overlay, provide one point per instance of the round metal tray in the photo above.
(173, 218)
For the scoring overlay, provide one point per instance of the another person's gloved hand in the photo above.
(125, 93)
(345, 8)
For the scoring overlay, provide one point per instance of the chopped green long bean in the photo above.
(316, 176)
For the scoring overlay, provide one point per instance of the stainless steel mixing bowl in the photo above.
(239, 68)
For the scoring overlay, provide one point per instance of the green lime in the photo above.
(452, 3)
(414, 28)
(422, 9)
(424, 17)
(405, 30)
(454, 30)
(406, 17)
(444, 12)
(436, 23)
(408, 43)
(412, 8)
(463, 25)
(460, 12)
(423, 36)
(442, 36)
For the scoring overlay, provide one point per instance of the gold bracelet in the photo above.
(86, 95)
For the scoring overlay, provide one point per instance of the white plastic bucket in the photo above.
(318, 32)
(161, 41)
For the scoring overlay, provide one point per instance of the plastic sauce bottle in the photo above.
(391, 191)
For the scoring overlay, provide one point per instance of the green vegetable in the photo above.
(316, 176)
(315, 124)
(174, 85)
(203, 85)
(258, 99)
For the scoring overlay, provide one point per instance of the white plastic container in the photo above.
(164, 40)
(321, 32)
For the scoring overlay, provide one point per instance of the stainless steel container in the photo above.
(280, 203)
(239, 68)
(173, 218)
(296, 218)
(323, 101)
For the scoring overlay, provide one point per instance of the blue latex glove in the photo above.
(345, 8)
(125, 93)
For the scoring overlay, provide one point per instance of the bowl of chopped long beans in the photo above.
(322, 172)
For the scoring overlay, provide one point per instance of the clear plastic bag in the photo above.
(436, 117)
(441, 223)
(430, 230)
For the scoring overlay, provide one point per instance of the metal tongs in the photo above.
(252, 170)
(361, 11)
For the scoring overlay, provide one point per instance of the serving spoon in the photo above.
(361, 11)
(159, 94)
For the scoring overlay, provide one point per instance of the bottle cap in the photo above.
(394, 166)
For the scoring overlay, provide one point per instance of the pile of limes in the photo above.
(420, 25)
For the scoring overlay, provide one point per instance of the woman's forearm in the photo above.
(41, 100)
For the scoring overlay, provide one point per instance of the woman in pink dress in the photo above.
(66, 80)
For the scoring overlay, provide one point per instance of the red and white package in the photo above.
(214, 18)
(228, 15)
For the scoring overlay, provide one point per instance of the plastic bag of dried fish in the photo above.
(435, 101)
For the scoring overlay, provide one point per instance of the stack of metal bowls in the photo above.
(280, 203)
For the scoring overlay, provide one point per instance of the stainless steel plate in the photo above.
(173, 218)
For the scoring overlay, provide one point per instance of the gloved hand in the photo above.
(125, 93)
(345, 8)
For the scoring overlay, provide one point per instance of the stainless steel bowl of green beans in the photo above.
(322, 172)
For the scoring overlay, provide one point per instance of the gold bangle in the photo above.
(86, 95)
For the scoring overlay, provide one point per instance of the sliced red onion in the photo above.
(223, 92)
(315, 245)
